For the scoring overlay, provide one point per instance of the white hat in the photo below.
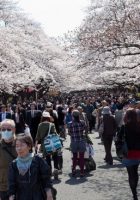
(106, 111)
(46, 114)
(49, 104)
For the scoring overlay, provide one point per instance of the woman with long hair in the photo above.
(132, 139)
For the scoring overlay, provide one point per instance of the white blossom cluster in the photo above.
(108, 44)
(104, 50)
(27, 55)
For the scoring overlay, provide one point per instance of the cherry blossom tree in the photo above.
(28, 58)
(108, 43)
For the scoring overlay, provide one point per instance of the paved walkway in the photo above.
(106, 183)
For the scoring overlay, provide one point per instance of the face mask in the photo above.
(6, 135)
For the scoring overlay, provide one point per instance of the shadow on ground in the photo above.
(76, 179)
(110, 166)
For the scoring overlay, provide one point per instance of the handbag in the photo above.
(44, 196)
(89, 151)
(27, 131)
(90, 164)
(52, 142)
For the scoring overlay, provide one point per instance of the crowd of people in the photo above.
(26, 166)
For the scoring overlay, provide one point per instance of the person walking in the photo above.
(29, 175)
(7, 154)
(19, 120)
(131, 161)
(44, 128)
(4, 114)
(33, 118)
(88, 109)
(76, 130)
(109, 131)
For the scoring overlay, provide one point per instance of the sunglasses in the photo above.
(6, 129)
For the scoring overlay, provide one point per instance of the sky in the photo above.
(56, 16)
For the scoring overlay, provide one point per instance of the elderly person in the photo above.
(7, 154)
(109, 131)
(29, 175)
(76, 131)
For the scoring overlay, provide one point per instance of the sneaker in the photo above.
(110, 163)
(73, 172)
(82, 175)
(60, 171)
(105, 160)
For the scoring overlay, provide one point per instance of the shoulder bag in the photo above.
(52, 142)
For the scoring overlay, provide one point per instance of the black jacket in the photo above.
(8, 116)
(31, 185)
(131, 135)
(109, 126)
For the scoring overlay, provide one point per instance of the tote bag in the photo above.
(52, 142)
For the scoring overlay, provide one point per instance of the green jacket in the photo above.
(42, 132)
(5, 160)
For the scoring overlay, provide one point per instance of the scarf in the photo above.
(23, 164)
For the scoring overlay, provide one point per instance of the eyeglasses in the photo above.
(6, 129)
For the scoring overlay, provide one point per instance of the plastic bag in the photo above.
(27, 131)
(89, 151)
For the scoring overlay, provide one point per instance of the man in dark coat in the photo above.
(33, 118)
(88, 109)
(109, 131)
(3, 114)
